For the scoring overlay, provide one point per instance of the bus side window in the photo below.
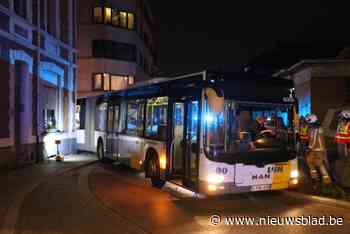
(101, 116)
(116, 118)
(110, 118)
(135, 117)
(156, 118)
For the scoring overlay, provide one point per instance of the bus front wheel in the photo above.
(154, 172)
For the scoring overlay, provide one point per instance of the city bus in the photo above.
(195, 131)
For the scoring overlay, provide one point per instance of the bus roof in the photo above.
(241, 86)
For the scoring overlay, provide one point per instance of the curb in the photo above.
(324, 200)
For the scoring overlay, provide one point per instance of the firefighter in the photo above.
(342, 139)
(303, 136)
(303, 144)
(316, 156)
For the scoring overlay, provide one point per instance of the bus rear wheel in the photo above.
(153, 170)
(101, 153)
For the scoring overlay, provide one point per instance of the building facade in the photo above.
(38, 67)
(117, 45)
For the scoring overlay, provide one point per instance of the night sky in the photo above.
(194, 35)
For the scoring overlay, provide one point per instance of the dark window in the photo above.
(5, 3)
(64, 24)
(51, 17)
(113, 50)
(42, 15)
(35, 11)
(347, 90)
(20, 7)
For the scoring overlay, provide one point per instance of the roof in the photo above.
(239, 86)
(287, 54)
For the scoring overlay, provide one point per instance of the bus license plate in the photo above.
(264, 187)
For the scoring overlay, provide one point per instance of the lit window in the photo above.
(106, 82)
(131, 21)
(98, 82)
(131, 80)
(117, 83)
(108, 15)
(123, 19)
(98, 16)
(115, 17)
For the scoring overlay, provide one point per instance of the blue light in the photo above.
(209, 118)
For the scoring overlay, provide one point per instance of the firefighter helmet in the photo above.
(311, 118)
(345, 114)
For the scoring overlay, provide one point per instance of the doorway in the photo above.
(185, 142)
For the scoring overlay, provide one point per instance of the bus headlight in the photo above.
(162, 162)
(215, 179)
(294, 174)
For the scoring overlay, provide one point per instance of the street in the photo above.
(114, 199)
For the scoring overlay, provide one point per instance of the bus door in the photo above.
(112, 131)
(185, 120)
(191, 143)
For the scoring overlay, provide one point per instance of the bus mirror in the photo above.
(216, 103)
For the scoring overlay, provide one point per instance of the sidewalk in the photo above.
(17, 183)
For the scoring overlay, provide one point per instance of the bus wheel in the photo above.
(100, 151)
(154, 173)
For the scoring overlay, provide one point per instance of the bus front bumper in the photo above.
(232, 188)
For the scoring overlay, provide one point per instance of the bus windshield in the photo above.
(247, 132)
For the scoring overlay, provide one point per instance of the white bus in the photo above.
(196, 131)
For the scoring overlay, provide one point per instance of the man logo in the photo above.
(261, 177)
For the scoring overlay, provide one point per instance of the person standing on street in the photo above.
(316, 156)
(303, 144)
(342, 139)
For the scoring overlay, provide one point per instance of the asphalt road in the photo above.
(113, 199)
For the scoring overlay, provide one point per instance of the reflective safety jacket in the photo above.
(343, 133)
(304, 133)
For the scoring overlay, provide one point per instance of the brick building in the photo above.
(37, 63)
(117, 45)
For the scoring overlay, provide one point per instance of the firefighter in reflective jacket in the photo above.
(316, 155)
(303, 144)
(303, 136)
(342, 139)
